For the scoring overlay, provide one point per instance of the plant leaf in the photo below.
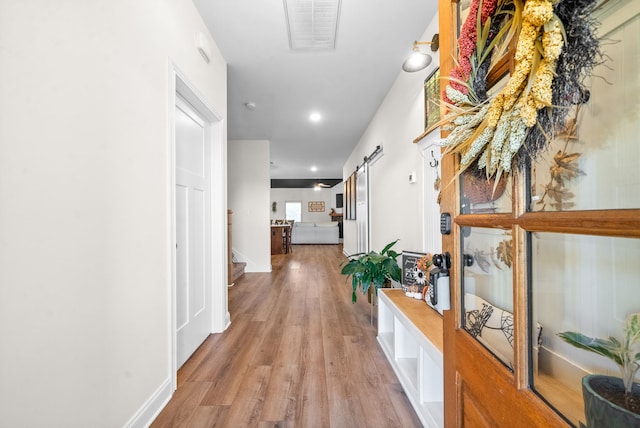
(632, 329)
(598, 346)
(388, 246)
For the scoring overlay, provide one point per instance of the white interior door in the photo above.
(193, 231)
(362, 208)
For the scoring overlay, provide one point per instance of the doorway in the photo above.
(197, 221)
(193, 229)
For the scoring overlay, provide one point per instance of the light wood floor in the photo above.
(297, 353)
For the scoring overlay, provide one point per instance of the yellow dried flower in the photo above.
(537, 12)
(553, 41)
(526, 42)
(511, 100)
(541, 92)
(541, 88)
(528, 111)
(495, 110)
(524, 59)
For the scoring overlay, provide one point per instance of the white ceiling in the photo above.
(345, 85)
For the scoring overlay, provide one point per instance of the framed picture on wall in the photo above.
(350, 197)
(352, 201)
(347, 193)
(432, 99)
(316, 206)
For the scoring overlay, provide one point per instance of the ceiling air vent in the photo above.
(312, 24)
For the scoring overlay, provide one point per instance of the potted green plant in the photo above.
(369, 268)
(608, 400)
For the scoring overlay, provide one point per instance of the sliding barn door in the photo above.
(362, 207)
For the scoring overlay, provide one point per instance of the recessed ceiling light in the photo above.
(315, 117)
(314, 168)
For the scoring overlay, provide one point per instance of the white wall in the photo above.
(396, 206)
(305, 196)
(249, 184)
(84, 167)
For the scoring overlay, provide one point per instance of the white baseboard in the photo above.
(152, 408)
(227, 320)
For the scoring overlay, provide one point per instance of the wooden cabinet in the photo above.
(410, 334)
(277, 246)
(280, 239)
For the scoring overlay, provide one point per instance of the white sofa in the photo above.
(315, 233)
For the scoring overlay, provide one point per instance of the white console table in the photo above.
(410, 334)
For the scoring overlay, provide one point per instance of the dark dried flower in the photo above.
(580, 55)
(564, 167)
(505, 252)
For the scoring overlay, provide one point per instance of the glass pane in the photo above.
(585, 284)
(480, 195)
(487, 283)
(594, 161)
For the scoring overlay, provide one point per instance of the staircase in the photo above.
(238, 270)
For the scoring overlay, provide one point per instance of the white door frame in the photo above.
(179, 84)
(431, 152)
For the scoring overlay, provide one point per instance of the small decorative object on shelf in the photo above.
(611, 401)
(415, 273)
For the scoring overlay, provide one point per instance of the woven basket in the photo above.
(479, 190)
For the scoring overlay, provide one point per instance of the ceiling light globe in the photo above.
(315, 117)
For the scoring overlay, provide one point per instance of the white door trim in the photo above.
(179, 84)
(430, 150)
(363, 219)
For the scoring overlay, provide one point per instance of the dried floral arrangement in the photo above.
(563, 169)
(556, 49)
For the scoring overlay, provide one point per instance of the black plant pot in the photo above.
(599, 411)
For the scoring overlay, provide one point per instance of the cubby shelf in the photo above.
(410, 334)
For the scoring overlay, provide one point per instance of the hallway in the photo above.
(297, 353)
